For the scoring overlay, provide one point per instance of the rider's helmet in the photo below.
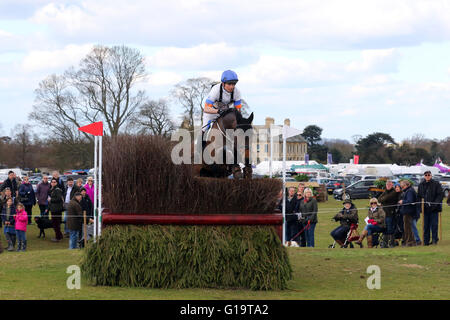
(229, 76)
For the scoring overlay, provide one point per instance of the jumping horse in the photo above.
(229, 119)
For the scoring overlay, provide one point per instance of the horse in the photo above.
(229, 119)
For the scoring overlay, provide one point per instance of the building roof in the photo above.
(298, 138)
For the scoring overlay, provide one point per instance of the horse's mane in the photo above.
(229, 110)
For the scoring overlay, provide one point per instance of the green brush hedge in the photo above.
(158, 256)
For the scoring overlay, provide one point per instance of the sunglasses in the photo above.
(373, 203)
(427, 175)
(231, 83)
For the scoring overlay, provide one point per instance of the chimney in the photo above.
(287, 122)
(269, 121)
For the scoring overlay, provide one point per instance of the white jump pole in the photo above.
(95, 186)
(100, 208)
(284, 184)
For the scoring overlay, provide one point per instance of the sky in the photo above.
(350, 67)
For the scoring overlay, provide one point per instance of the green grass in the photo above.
(318, 273)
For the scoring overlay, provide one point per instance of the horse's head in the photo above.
(244, 123)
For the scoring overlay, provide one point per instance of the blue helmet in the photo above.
(228, 76)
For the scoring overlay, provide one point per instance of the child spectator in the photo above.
(21, 219)
(9, 230)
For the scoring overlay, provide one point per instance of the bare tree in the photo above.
(191, 94)
(101, 89)
(105, 82)
(23, 141)
(56, 111)
(154, 117)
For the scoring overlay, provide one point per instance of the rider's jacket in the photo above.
(231, 99)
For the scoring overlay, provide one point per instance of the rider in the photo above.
(222, 96)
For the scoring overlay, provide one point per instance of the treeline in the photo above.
(27, 150)
(377, 147)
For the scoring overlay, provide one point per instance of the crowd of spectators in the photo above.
(17, 199)
(393, 214)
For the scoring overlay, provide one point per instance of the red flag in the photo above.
(95, 128)
(355, 159)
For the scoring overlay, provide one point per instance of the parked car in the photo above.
(445, 183)
(357, 190)
(334, 184)
(363, 177)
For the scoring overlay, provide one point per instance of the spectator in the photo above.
(300, 189)
(6, 195)
(376, 222)
(308, 210)
(55, 175)
(389, 199)
(78, 185)
(409, 210)
(347, 216)
(448, 199)
(8, 212)
(398, 216)
(11, 183)
(56, 207)
(21, 219)
(74, 220)
(42, 191)
(68, 195)
(432, 194)
(86, 205)
(27, 197)
(291, 216)
(301, 226)
(89, 186)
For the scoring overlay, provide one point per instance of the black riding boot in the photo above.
(19, 246)
(13, 239)
(24, 245)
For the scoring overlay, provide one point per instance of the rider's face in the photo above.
(229, 86)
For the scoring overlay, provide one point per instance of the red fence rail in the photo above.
(275, 220)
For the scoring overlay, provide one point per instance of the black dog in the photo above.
(43, 223)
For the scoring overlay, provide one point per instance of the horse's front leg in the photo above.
(248, 172)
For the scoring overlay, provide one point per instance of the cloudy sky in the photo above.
(351, 67)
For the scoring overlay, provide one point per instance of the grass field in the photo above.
(319, 273)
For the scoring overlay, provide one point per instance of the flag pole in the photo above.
(284, 184)
(100, 187)
(95, 187)
(96, 129)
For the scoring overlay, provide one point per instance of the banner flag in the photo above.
(329, 158)
(95, 128)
